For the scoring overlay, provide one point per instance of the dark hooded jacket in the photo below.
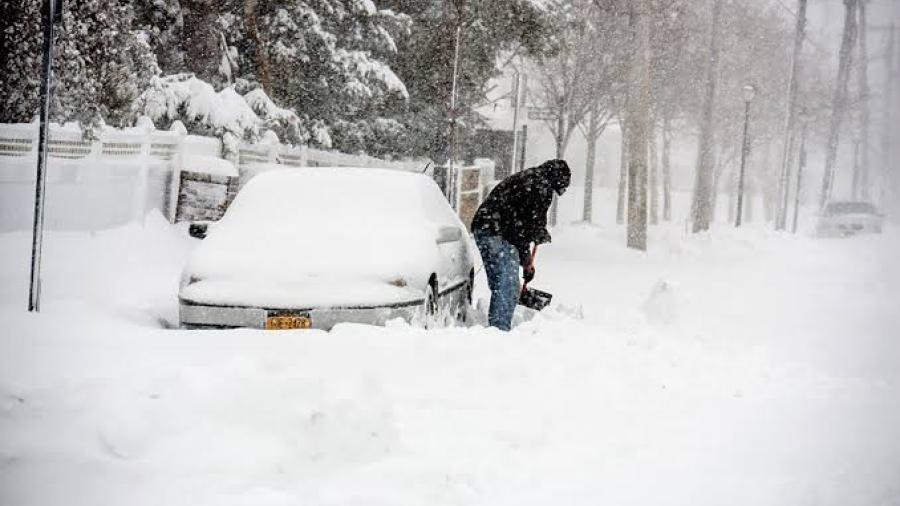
(516, 209)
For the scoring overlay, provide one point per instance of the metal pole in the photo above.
(524, 144)
(49, 16)
(515, 126)
(451, 158)
(745, 148)
(800, 167)
(560, 137)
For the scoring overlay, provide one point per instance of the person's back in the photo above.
(515, 207)
(512, 217)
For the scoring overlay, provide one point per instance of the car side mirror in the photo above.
(448, 234)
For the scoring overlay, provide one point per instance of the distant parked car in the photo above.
(312, 247)
(845, 218)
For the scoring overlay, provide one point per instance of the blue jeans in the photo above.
(501, 264)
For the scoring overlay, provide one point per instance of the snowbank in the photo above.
(209, 165)
(775, 382)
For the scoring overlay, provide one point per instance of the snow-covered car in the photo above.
(312, 247)
(845, 218)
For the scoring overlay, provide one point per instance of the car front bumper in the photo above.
(197, 315)
(193, 315)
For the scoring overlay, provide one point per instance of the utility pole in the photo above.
(560, 144)
(517, 83)
(524, 145)
(788, 148)
(839, 102)
(51, 14)
(451, 137)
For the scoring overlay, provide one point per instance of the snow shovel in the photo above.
(532, 298)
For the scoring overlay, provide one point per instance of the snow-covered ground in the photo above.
(737, 367)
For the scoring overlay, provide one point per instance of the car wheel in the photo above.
(464, 308)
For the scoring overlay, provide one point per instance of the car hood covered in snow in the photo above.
(322, 236)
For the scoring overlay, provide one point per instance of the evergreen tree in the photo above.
(424, 60)
(163, 22)
(20, 63)
(326, 58)
(100, 65)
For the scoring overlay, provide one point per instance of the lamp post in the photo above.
(749, 92)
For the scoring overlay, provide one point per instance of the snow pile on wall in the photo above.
(225, 114)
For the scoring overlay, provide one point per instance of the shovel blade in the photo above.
(532, 298)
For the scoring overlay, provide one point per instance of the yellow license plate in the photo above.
(288, 322)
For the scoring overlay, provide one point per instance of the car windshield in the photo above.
(850, 208)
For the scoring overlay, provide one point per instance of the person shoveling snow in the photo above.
(513, 217)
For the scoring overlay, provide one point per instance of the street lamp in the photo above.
(749, 93)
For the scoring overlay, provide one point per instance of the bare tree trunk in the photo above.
(864, 95)
(593, 126)
(201, 39)
(887, 127)
(839, 103)
(623, 170)
(667, 167)
(769, 187)
(654, 171)
(800, 167)
(718, 170)
(723, 164)
(701, 206)
(261, 53)
(732, 194)
(639, 131)
(854, 185)
(790, 121)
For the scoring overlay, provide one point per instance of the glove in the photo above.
(543, 237)
(528, 274)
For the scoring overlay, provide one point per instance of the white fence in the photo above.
(126, 173)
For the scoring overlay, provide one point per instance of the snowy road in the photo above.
(736, 368)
